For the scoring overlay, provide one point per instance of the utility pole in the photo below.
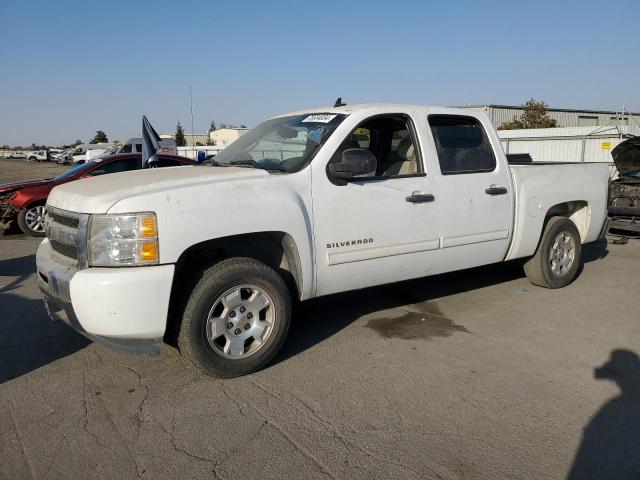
(191, 97)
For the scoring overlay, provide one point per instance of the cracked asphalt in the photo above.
(469, 375)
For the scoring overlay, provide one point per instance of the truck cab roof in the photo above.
(382, 107)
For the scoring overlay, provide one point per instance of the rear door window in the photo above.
(462, 145)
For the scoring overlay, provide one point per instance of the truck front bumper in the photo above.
(124, 309)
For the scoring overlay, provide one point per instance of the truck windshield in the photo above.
(285, 144)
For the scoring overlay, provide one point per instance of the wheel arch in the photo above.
(276, 249)
(529, 225)
(578, 211)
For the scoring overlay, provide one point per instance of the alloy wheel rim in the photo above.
(240, 321)
(562, 254)
(34, 218)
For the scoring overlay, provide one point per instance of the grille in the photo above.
(64, 220)
(67, 232)
(66, 250)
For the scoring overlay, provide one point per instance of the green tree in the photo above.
(100, 137)
(76, 143)
(535, 114)
(212, 127)
(180, 140)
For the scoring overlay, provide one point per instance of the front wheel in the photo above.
(31, 220)
(236, 319)
(557, 259)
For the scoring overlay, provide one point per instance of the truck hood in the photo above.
(12, 187)
(627, 156)
(98, 194)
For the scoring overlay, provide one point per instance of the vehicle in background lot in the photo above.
(130, 146)
(82, 153)
(306, 204)
(24, 202)
(38, 156)
(54, 153)
(167, 146)
(61, 158)
(624, 192)
(20, 155)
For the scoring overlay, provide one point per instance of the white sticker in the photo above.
(320, 118)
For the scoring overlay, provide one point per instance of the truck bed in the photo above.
(541, 187)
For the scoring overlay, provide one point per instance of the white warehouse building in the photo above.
(566, 117)
(223, 137)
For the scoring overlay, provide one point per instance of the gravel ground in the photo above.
(15, 169)
(470, 375)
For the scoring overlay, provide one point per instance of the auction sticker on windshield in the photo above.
(320, 118)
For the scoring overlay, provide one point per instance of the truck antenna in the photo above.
(339, 103)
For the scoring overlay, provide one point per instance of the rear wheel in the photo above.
(236, 319)
(31, 220)
(557, 259)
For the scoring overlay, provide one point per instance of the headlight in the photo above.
(123, 240)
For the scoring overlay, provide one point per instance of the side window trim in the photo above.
(388, 177)
(416, 144)
(478, 122)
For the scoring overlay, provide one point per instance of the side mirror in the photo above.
(355, 162)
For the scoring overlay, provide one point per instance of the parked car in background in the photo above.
(20, 155)
(134, 145)
(24, 202)
(54, 153)
(37, 156)
(624, 192)
(62, 157)
(83, 153)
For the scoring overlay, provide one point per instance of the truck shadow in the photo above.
(28, 338)
(610, 446)
(318, 319)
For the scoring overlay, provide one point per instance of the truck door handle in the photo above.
(493, 190)
(419, 197)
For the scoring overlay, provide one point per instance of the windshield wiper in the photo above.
(244, 163)
(249, 164)
(275, 169)
(236, 163)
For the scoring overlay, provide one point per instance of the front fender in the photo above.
(198, 213)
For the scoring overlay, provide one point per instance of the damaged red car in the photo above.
(24, 202)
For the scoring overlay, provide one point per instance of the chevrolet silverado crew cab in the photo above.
(306, 204)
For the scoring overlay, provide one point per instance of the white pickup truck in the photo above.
(306, 204)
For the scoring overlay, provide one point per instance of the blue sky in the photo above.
(71, 68)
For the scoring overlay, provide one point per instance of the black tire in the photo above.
(216, 280)
(538, 268)
(22, 221)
